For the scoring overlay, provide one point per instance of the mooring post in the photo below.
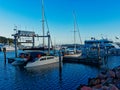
(48, 44)
(99, 51)
(4, 50)
(60, 65)
(15, 41)
(33, 44)
(60, 57)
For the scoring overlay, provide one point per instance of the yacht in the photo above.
(101, 47)
(34, 58)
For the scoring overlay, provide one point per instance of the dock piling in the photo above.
(4, 51)
(60, 65)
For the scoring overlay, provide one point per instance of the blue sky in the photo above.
(95, 18)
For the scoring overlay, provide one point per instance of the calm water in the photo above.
(49, 77)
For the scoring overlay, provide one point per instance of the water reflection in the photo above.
(60, 72)
(38, 78)
(57, 76)
(44, 68)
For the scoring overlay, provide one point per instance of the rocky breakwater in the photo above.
(108, 79)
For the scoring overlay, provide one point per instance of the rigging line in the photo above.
(47, 27)
(43, 20)
(79, 34)
(77, 27)
(43, 23)
(74, 32)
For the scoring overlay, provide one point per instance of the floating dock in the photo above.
(91, 61)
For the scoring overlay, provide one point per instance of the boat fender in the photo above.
(38, 56)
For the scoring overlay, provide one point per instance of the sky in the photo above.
(95, 18)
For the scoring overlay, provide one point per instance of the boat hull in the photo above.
(43, 62)
(72, 56)
(19, 61)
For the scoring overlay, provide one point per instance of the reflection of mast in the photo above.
(43, 23)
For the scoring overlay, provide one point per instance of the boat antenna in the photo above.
(43, 23)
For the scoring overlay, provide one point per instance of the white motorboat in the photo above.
(43, 60)
(19, 61)
(36, 58)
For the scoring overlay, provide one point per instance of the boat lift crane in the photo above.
(32, 34)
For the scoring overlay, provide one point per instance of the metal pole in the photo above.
(60, 66)
(33, 44)
(98, 51)
(4, 50)
(15, 41)
(48, 44)
(43, 23)
(74, 33)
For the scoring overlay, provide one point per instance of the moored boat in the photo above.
(42, 61)
(102, 46)
(8, 47)
(34, 58)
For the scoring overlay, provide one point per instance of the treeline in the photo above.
(5, 40)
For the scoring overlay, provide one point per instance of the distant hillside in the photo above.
(6, 40)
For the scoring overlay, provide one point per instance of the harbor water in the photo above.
(49, 77)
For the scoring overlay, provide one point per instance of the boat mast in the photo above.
(74, 32)
(76, 25)
(43, 23)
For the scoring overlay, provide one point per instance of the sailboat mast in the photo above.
(74, 33)
(43, 23)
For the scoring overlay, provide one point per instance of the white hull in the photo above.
(41, 62)
(8, 48)
(18, 61)
(72, 56)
